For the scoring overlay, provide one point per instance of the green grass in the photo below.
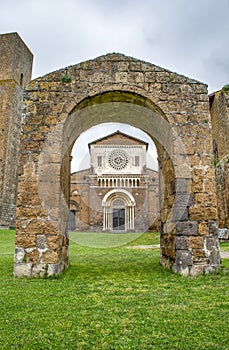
(108, 240)
(114, 298)
(224, 246)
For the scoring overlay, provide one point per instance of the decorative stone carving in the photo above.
(118, 159)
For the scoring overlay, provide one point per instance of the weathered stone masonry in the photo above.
(15, 72)
(219, 107)
(171, 108)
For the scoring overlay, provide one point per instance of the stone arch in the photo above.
(74, 205)
(171, 108)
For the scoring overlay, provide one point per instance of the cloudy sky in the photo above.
(190, 37)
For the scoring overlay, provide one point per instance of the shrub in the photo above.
(66, 79)
(226, 88)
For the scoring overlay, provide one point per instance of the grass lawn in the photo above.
(113, 298)
(224, 246)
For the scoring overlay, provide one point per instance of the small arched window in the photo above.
(21, 80)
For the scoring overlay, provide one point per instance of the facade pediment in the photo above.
(118, 138)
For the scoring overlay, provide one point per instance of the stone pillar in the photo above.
(15, 72)
(189, 232)
(219, 108)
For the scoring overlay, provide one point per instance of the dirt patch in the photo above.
(224, 255)
(154, 246)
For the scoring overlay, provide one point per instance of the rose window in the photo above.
(118, 159)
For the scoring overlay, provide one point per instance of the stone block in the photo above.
(166, 262)
(19, 254)
(179, 213)
(196, 270)
(182, 270)
(121, 77)
(50, 257)
(41, 242)
(180, 185)
(183, 258)
(184, 199)
(196, 242)
(39, 270)
(202, 213)
(198, 254)
(32, 257)
(213, 228)
(26, 240)
(22, 270)
(150, 77)
(181, 243)
(209, 185)
(53, 242)
(210, 269)
(215, 258)
(211, 242)
(53, 269)
(203, 228)
(189, 228)
(51, 228)
(35, 226)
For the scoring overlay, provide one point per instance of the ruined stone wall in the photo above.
(80, 195)
(219, 107)
(175, 116)
(16, 59)
(10, 126)
(15, 71)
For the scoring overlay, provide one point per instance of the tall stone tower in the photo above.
(15, 71)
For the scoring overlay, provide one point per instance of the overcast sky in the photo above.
(190, 37)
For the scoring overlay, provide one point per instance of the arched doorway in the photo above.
(118, 214)
(170, 108)
(73, 215)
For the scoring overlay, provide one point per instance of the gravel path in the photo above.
(144, 246)
(224, 255)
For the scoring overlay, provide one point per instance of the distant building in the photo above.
(118, 193)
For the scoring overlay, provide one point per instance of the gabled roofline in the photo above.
(115, 133)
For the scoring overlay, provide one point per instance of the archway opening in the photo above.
(94, 173)
(139, 112)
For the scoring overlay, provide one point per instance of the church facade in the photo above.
(118, 193)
